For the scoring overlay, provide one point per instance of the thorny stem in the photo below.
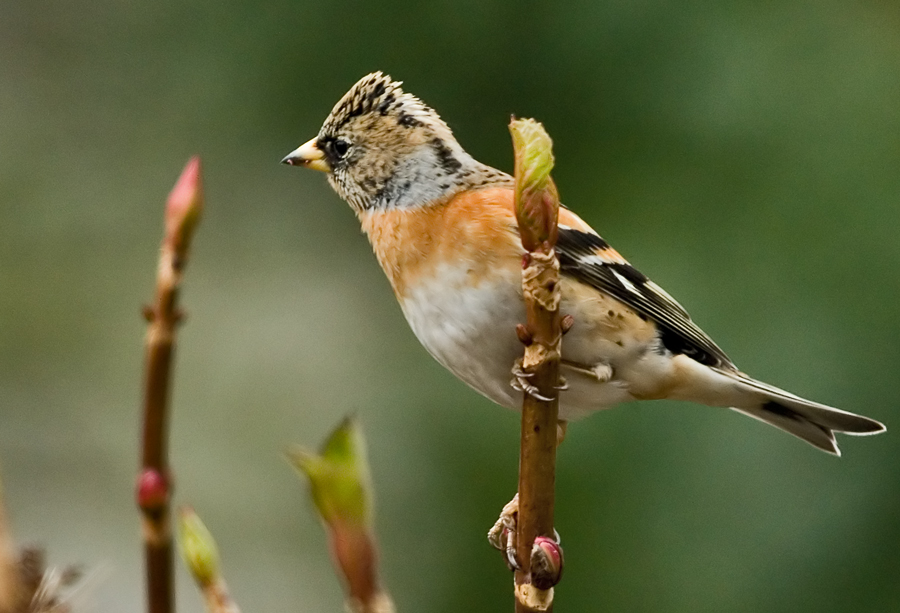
(154, 482)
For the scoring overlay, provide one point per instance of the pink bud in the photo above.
(184, 205)
(152, 491)
(546, 563)
(524, 334)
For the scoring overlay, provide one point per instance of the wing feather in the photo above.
(586, 257)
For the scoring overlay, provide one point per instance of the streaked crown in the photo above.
(384, 148)
(378, 93)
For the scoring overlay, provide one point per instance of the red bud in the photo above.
(525, 336)
(546, 563)
(152, 491)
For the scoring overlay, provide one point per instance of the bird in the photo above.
(443, 228)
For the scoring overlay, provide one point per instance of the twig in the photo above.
(154, 482)
(341, 489)
(537, 210)
(198, 548)
(12, 590)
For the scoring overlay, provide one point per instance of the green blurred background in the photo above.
(745, 155)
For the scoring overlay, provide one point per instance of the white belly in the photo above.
(470, 330)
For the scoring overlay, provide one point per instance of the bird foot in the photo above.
(600, 372)
(520, 382)
(502, 536)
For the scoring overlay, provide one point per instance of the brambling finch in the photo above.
(443, 228)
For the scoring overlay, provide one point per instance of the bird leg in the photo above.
(520, 382)
(502, 535)
(600, 372)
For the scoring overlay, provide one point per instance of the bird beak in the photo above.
(308, 155)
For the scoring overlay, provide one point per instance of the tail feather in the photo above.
(813, 422)
(784, 419)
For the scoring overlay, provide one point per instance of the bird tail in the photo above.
(813, 422)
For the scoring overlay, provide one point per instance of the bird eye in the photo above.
(340, 147)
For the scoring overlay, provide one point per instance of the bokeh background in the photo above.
(745, 155)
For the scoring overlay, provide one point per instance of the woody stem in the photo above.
(537, 211)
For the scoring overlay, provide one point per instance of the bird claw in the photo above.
(519, 371)
(502, 536)
(523, 386)
(563, 384)
(520, 382)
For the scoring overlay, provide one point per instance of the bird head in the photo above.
(383, 148)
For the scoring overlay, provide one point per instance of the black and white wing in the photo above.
(585, 256)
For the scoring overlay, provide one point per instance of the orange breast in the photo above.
(475, 229)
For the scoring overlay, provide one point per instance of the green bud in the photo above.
(198, 549)
(339, 477)
(534, 151)
(537, 201)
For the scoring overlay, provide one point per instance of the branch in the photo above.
(183, 210)
(537, 211)
(198, 548)
(341, 490)
(12, 590)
